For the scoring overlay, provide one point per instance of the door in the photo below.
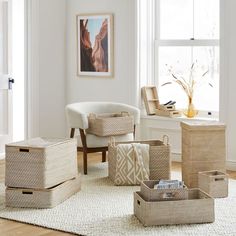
(5, 80)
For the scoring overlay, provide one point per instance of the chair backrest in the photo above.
(77, 113)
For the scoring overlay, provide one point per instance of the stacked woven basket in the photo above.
(41, 173)
(160, 206)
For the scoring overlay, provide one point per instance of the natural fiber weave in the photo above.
(150, 194)
(40, 162)
(159, 159)
(110, 124)
(42, 198)
(215, 183)
(198, 208)
(203, 149)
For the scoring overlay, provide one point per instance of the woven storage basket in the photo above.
(150, 194)
(110, 124)
(159, 159)
(42, 198)
(40, 162)
(215, 183)
(203, 149)
(198, 208)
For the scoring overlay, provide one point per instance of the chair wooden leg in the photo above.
(104, 156)
(85, 162)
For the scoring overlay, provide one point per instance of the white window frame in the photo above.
(175, 43)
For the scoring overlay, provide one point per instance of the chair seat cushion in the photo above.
(95, 141)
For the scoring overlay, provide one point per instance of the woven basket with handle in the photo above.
(159, 158)
(109, 124)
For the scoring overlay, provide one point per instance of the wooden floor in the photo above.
(11, 228)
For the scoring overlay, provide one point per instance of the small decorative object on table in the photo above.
(153, 106)
(168, 110)
(214, 182)
(169, 106)
(150, 98)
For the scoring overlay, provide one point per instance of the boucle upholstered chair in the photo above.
(77, 118)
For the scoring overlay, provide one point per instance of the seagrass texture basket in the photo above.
(203, 149)
(214, 182)
(40, 162)
(150, 194)
(197, 208)
(42, 198)
(109, 124)
(159, 158)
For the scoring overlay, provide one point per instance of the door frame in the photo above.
(32, 68)
(6, 73)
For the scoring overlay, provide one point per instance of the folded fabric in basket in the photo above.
(132, 164)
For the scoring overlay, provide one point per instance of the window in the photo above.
(186, 32)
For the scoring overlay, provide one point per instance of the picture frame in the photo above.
(95, 45)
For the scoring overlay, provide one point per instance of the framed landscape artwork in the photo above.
(95, 45)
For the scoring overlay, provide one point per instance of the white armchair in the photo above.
(77, 118)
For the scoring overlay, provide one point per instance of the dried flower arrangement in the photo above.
(188, 85)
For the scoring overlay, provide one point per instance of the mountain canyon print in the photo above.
(94, 45)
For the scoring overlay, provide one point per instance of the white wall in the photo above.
(52, 67)
(121, 88)
(18, 73)
(56, 64)
(46, 75)
(52, 78)
(228, 50)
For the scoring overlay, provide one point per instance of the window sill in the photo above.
(182, 118)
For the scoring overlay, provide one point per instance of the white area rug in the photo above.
(103, 209)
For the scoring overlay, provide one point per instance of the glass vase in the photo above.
(190, 112)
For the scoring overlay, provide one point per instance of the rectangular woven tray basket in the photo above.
(197, 208)
(42, 198)
(150, 194)
(110, 124)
